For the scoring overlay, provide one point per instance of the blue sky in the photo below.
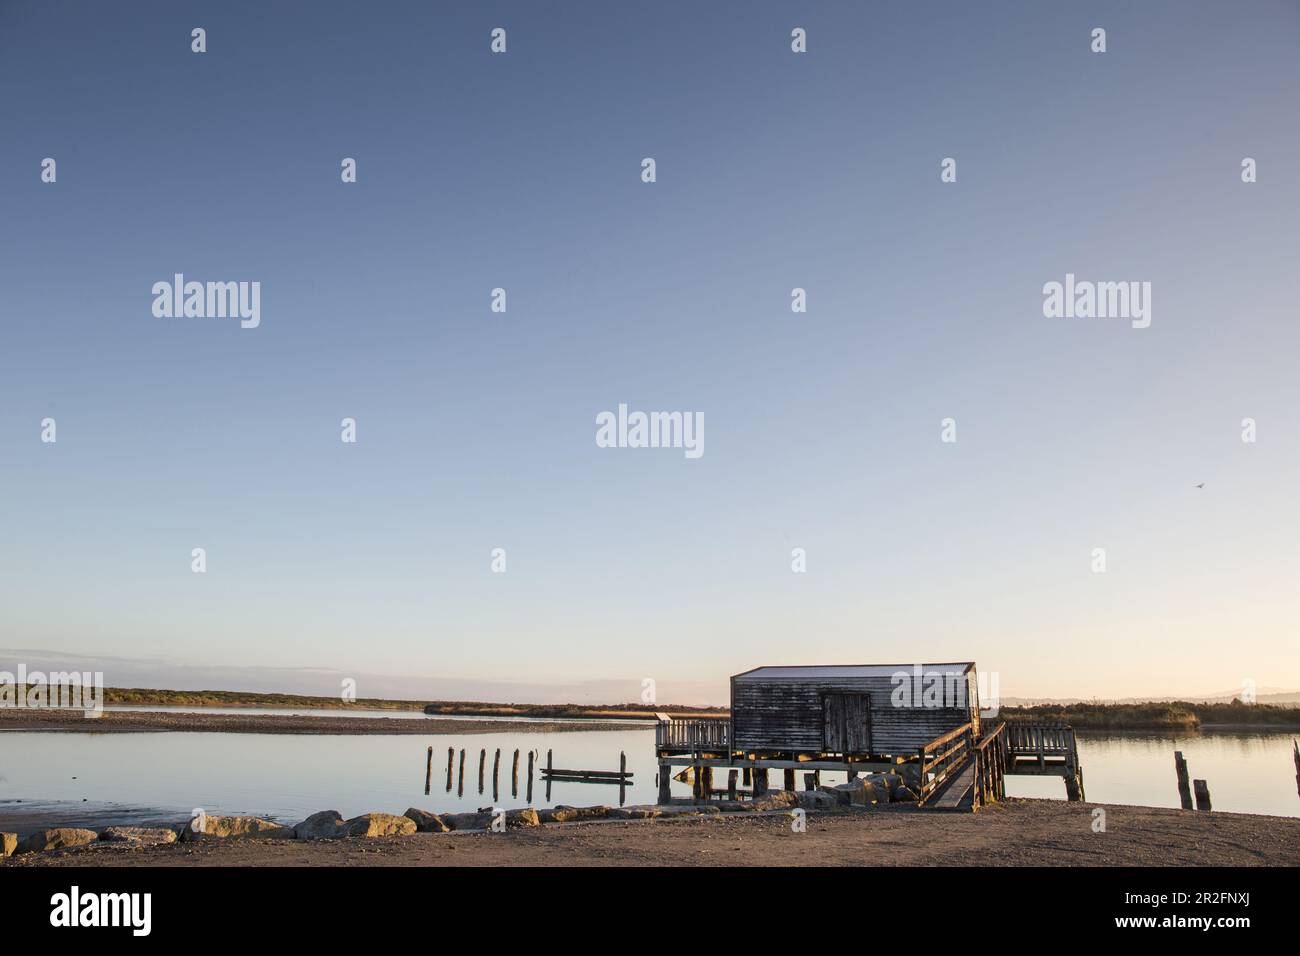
(476, 430)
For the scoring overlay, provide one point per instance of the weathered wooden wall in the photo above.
(785, 713)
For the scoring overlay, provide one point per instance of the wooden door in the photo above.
(847, 723)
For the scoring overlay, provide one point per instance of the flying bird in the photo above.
(1201, 485)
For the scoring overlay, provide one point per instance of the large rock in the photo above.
(635, 813)
(886, 785)
(588, 813)
(815, 800)
(57, 838)
(468, 821)
(324, 825)
(425, 821)
(225, 828)
(379, 825)
(857, 793)
(8, 844)
(482, 820)
(557, 814)
(527, 817)
(140, 836)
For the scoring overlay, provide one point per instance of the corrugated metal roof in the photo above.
(854, 670)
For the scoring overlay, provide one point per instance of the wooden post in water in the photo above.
(514, 775)
(460, 782)
(451, 761)
(731, 784)
(817, 778)
(788, 781)
(482, 759)
(745, 777)
(1184, 789)
(665, 783)
(706, 782)
(530, 778)
(1296, 748)
(1202, 794)
(496, 778)
(809, 782)
(428, 772)
(759, 777)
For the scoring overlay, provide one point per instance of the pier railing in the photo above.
(1048, 739)
(693, 733)
(991, 766)
(944, 756)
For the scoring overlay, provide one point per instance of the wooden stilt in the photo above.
(496, 779)
(482, 760)
(788, 780)
(514, 775)
(1202, 790)
(1184, 789)
(428, 772)
(460, 779)
(530, 778)
(810, 781)
(759, 776)
(451, 762)
(731, 783)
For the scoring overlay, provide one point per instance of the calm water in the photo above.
(290, 776)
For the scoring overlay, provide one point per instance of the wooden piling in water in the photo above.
(665, 784)
(460, 783)
(428, 772)
(706, 782)
(1202, 794)
(451, 762)
(514, 775)
(731, 784)
(1296, 748)
(809, 782)
(759, 776)
(482, 759)
(496, 775)
(530, 778)
(1184, 789)
(745, 776)
(788, 779)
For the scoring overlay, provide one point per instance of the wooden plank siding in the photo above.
(788, 712)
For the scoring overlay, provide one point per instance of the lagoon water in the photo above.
(288, 776)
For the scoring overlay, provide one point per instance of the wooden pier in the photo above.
(963, 769)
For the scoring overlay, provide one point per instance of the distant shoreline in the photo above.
(144, 721)
(1175, 716)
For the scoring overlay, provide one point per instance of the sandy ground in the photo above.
(1018, 832)
(120, 721)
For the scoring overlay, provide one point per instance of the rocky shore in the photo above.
(1017, 832)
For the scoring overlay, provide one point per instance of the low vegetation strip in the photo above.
(1176, 715)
